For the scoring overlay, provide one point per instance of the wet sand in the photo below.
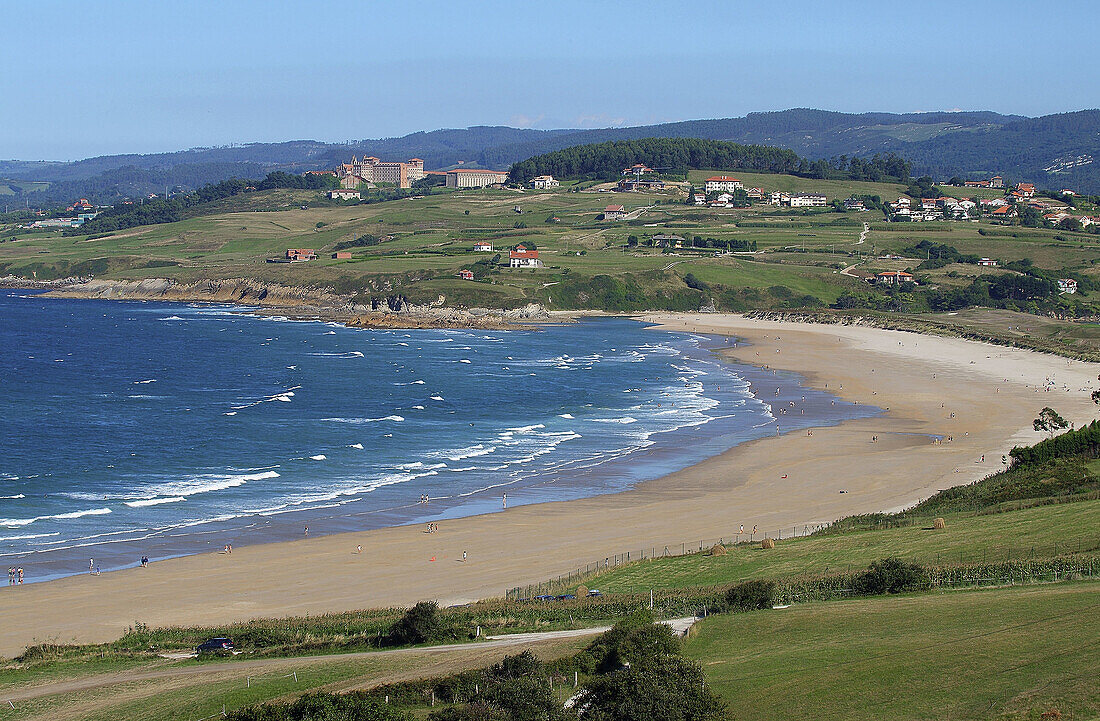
(983, 397)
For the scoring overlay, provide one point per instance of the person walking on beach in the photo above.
(20, 572)
(91, 565)
(742, 529)
(504, 500)
(359, 549)
(464, 556)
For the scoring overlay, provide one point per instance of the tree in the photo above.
(1049, 421)
(1096, 397)
(668, 687)
(420, 624)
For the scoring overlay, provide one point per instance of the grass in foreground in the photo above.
(1010, 653)
(1039, 532)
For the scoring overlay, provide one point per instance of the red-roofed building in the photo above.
(614, 212)
(466, 274)
(1025, 189)
(295, 255)
(722, 183)
(893, 277)
(638, 169)
(521, 257)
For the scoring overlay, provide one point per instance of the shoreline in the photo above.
(771, 482)
(668, 451)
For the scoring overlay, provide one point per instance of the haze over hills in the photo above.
(1052, 151)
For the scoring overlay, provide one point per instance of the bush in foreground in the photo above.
(890, 575)
(750, 596)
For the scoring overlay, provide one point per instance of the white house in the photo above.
(483, 247)
(614, 212)
(343, 194)
(806, 200)
(523, 258)
(544, 182)
(1067, 285)
(987, 262)
(719, 183)
(894, 277)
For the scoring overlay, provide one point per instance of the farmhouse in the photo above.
(343, 194)
(987, 262)
(544, 182)
(342, 255)
(475, 178)
(720, 183)
(295, 255)
(521, 257)
(1025, 190)
(638, 170)
(483, 246)
(1067, 286)
(853, 204)
(466, 274)
(614, 212)
(893, 277)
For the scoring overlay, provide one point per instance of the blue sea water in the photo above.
(166, 429)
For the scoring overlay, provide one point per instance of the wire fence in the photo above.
(590, 570)
(982, 553)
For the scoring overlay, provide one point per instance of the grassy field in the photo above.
(1043, 532)
(1004, 653)
(160, 689)
(428, 240)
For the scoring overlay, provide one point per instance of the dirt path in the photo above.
(678, 625)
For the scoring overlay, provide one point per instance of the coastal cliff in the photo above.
(304, 302)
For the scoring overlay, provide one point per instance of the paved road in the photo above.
(679, 625)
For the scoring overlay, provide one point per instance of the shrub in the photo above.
(420, 624)
(751, 595)
(890, 575)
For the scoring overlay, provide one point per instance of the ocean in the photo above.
(165, 429)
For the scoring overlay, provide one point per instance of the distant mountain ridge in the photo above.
(1052, 151)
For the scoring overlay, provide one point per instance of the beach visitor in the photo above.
(91, 565)
(20, 572)
(307, 531)
(742, 528)
(504, 500)
(464, 556)
(359, 549)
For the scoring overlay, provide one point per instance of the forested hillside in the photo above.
(1053, 151)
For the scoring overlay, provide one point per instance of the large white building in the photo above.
(475, 178)
(544, 182)
(722, 184)
(807, 200)
(370, 170)
(523, 258)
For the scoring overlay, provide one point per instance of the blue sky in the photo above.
(83, 79)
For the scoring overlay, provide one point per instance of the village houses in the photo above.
(614, 212)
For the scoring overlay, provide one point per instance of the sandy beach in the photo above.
(982, 397)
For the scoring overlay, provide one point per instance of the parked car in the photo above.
(566, 597)
(219, 644)
(592, 593)
(545, 597)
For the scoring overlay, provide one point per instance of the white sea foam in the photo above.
(19, 522)
(360, 421)
(141, 383)
(318, 457)
(230, 413)
(464, 360)
(154, 501)
(357, 446)
(436, 398)
(624, 420)
(12, 498)
(28, 536)
(567, 416)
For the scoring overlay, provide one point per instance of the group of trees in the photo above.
(667, 155)
(678, 155)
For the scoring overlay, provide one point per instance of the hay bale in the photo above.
(767, 543)
(718, 550)
(939, 524)
(582, 591)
